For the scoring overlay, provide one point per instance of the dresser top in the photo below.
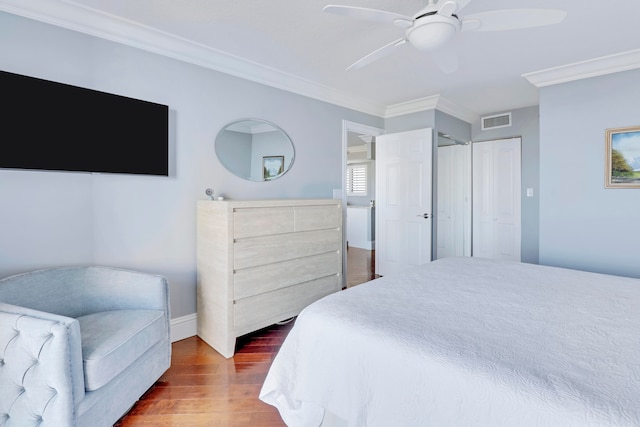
(270, 202)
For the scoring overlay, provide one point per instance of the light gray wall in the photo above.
(412, 121)
(456, 128)
(435, 119)
(142, 222)
(582, 224)
(525, 124)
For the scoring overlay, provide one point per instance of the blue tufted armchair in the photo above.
(80, 345)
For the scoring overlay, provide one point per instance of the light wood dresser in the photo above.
(262, 261)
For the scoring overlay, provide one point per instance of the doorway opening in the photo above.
(358, 198)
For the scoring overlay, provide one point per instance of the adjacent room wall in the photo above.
(583, 225)
(140, 222)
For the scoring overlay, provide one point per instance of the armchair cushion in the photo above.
(113, 340)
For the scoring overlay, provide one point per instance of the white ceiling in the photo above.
(293, 44)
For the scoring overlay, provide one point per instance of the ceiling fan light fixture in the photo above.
(433, 31)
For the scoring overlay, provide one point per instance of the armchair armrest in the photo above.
(78, 291)
(41, 376)
(109, 288)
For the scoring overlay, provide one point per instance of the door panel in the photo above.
(445, 220)
(403, 209)
(496, 199)
(390, 246)
(454, 200)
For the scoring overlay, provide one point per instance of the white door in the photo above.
(454, 201)
(403, 200)
(496, 199)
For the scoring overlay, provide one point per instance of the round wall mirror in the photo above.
(255, 150)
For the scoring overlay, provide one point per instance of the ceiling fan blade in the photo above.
(470, 24)
(366, 14)
(462, 4)
(512, 19)
(376, 54)
(446, 58)
(447, 8)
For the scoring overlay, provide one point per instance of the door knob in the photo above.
(424, 215)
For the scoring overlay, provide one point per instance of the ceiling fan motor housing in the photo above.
(431, 31)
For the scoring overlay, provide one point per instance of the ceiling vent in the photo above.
(497, 121)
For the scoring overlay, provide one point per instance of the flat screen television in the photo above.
(54, 126)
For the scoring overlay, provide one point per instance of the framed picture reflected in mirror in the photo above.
(272, 166)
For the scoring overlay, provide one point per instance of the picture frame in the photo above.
(272, 166)
(622, 167)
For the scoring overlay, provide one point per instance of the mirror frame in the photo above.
(226, 163)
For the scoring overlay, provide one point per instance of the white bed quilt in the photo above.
(466, 342)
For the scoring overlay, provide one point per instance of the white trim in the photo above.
(456, 111)
(184, 327)
(417, 105)
(434, 102)
(364, 244)
(70, 15)
(86, 20)
(348, 126)
(585, 69)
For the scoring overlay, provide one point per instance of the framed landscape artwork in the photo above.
(272, 166)
(622, 155)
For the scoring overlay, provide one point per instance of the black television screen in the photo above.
(55, 126)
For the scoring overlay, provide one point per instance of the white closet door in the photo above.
(496, 199)
(454, 201)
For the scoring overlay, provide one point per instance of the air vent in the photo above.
(498, 121)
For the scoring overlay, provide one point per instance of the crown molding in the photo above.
(69, 15)
(72, 16)
(414, 106)
(435, 102)
(585, 69)
(457, 111)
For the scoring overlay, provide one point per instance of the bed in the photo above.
(465, 342)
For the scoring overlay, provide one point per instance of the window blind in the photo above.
(357, 180)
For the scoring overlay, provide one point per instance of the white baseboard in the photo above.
(184, 327)
(362, 244)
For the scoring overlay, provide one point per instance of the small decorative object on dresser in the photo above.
(263, 261)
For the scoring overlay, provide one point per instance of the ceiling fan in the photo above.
(432, 27)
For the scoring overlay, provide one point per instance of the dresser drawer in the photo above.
(255, 251)
(254, 222)
(267, 278)
(265, 309)
(317, 217)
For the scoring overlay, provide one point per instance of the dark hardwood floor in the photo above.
(360, 266)
(202, 388)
